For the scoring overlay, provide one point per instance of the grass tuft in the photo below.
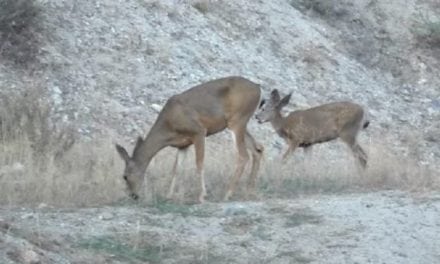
(302, 217)
(123, 251)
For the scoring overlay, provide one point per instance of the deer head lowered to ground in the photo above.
(187, 118)
(304, 128)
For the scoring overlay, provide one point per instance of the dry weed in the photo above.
(41, 163)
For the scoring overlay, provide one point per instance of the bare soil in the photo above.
(382, 227)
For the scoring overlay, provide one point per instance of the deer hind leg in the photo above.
(292, 145)
(177, 163)
(308, 160)
(257, 153)
(349, 137)
(308, 150)
(243, 157)
(361, 155)
(199, 145)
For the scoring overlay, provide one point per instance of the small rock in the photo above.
(42, 205)
(4, 225)
(30, 257)
(106, 216)
(156, 107)
(235, 209)
(17, 167)
(432, 135)
(27, 216)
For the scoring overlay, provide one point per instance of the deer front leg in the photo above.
(360, 154)
(257, 153)
(243, 158)
(292, 146)
(177, 162)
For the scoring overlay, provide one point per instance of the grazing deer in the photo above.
(304, 128)
(187, 118)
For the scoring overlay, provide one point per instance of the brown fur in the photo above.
(304, 128)
(187, 118)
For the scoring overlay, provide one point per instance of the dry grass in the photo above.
(302, 174)
(41, 163)
(85, 176)
(317, 173)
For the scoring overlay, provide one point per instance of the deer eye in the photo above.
(125, 177)
(263, 101)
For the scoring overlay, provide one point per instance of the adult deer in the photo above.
(304, 128)
(187, 118)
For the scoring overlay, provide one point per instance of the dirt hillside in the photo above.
(78, 76)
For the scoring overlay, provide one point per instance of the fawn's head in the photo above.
(268, 111)
(133, 172)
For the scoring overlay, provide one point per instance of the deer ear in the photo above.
(122, 152)
(284, 101)
(275, 96)
(263, 101)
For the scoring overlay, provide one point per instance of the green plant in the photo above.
(123, 251)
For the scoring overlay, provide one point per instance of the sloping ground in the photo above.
(106, 62)
(388, 227)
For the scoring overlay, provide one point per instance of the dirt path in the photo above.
(386, 227)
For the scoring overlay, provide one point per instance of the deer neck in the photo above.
(153, 143)
(277, 122)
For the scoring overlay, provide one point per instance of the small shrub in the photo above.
(428, 32)
(43, 162)
(325, 8)
(18, 27)
(27, 116)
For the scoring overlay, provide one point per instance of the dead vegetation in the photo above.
(60, 172)
(19, 27)
(41, 162)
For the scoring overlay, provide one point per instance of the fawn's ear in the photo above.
(275, 96)
(284, 101)
(122, 152)
(263, 101)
